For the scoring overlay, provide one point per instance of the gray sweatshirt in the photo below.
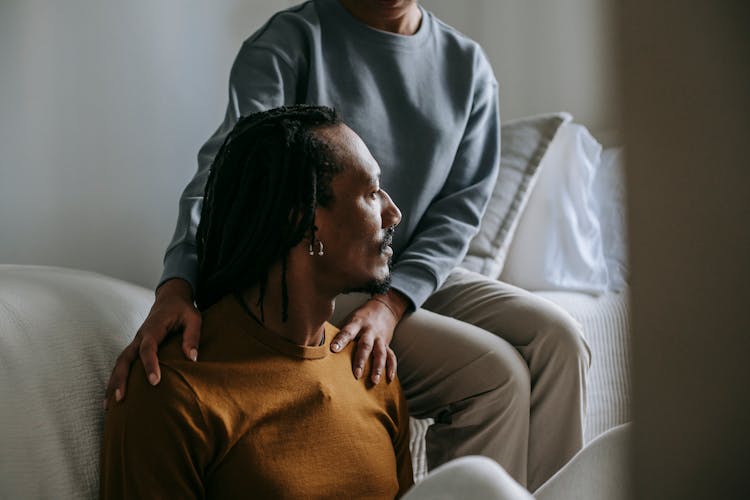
(425, 105)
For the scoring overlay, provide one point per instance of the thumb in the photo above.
(348, 333)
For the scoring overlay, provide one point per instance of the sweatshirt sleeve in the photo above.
(442, 237)
(156, 442)
(261, 78)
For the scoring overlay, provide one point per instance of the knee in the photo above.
(562, 341)
(511, 376)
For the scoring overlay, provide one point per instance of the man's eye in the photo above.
(374, 194)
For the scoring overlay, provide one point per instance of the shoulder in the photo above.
(152, 414)
(287, 31)
(157, 436)
(173, 393)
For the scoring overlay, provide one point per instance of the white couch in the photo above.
(61, 330)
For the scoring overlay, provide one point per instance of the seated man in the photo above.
(268, 408)
(269, 411)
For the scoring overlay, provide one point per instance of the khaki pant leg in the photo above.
(474, 384)
(552, 345)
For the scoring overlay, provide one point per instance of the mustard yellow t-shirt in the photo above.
(256, 417)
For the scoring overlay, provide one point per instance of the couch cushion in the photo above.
(524, 143)
(60, 332)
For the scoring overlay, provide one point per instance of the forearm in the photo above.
(261, 78)
(181, 257)
(440, 244)
(442, 237)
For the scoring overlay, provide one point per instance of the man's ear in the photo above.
(322, 227)
(311, 232)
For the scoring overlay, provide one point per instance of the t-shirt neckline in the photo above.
(277, 343)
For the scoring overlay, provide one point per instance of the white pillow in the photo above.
(558, 242)
(609, 193)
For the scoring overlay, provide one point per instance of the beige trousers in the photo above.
(502, 372)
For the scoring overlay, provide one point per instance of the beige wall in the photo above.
(686, 80)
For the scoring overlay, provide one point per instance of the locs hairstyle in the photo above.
(263, 187)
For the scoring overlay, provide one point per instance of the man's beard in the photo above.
(373, 287)
(376, 287)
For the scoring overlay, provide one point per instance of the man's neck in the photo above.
(308, 309)
(402, 21)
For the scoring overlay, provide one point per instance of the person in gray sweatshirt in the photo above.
(501, 371)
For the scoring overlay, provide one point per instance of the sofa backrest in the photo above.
(60, 332)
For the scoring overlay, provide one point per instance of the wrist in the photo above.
(175, 287)
(394, 301)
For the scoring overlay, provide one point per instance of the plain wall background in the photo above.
(103, 107)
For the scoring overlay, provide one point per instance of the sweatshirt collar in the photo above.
(363, 32)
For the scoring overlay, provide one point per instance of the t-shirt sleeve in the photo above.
(261, 78)
(156, 442)
(401, 442)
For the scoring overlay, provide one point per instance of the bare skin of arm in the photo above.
(372, 325)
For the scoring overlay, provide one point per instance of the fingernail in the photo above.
(376, 379)
(118, 395)
(336, 346)
(153, 379)
(357, 373)
(104, 405)
(194, 354)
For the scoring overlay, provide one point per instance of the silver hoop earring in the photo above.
(320, 248)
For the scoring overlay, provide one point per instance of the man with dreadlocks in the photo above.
(293, 216)
(501, 371)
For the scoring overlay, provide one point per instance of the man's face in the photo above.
(356, 229)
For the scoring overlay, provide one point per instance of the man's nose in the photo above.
(391, 213)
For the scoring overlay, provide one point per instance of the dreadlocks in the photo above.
(263, 187)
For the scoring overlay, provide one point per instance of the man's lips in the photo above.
(385, 245)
